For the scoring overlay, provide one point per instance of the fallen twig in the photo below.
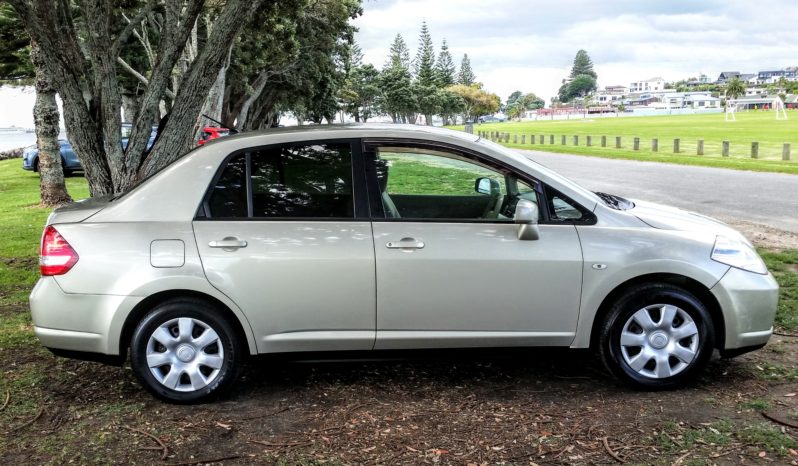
(780, 421)
(27, 423)
(214, 460)
(609, 450)
(351, 411)
(785, 334)
(164, 449)
(282, 445)
(5, 403)
(262, 415)
(680, 459)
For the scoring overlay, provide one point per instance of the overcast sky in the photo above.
(530, 45)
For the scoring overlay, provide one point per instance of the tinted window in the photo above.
(229, 196)
(303, 181)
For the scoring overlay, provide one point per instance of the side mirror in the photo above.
(526, 216)
(487, 186)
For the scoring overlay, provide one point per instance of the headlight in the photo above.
(739, 254)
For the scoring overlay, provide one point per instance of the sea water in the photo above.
(14, 139)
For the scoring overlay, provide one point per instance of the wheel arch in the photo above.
(140, 309)
(694, 287)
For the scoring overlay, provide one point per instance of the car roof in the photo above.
(349, 130)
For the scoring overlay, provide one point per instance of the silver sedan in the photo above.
(367, 238)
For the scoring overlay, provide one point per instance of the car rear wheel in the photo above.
(657, 336)
(184, 351)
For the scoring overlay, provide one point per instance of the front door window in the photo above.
(428, 184)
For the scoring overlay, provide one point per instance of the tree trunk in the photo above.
(428, 120)
(46, 118)
(130, 106)
(172, 142)
(257, 90)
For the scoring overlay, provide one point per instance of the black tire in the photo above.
(212, 318)
(645, 296)
(36, 166)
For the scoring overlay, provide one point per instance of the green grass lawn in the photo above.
(23, 220)
(750, 126)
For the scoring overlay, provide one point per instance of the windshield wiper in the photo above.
(616, 202)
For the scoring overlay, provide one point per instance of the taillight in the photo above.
(57, 256)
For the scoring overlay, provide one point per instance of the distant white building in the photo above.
(772, 77)
(696, 100)
(649, 85)
(616, 90)
(610, 94)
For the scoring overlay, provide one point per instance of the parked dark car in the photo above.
(70, 162)
(490, 119)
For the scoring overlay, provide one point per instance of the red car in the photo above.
(212, 132)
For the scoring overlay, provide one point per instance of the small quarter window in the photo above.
(229, 196)
(563, 209)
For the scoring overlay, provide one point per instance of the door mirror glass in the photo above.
(487, 186)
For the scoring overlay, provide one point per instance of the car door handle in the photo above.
(405, 243)
(228, 244)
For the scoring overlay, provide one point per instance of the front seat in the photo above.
(495, 202)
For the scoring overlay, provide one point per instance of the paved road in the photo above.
(766, 198)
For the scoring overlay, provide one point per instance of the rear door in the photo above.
(284, 232)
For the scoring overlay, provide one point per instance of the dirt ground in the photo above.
(463, 408)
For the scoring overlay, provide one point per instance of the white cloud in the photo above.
(516, 44)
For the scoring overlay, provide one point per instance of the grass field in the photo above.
(751, 126)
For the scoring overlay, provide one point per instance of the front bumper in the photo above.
(26, 165)
(748, 301)
(85, 323)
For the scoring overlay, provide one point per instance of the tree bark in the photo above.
(174, 138)
(46, 118)
(130, 106)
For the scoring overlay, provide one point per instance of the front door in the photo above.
(451, 271)
(285, 239)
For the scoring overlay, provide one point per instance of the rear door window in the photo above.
(309, 181)
(296, 181)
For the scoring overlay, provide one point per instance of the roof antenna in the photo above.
(232, 130)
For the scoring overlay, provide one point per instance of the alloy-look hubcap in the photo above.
(659, 341)
(185, 354)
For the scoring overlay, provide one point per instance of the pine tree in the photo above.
(399, 56)
(425, 58)
(445, 69)
(582, 65)
(352, 58)
(466, 73)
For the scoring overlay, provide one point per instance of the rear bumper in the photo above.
(748, 301)
(85, 323)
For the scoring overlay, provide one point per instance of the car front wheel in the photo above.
(657, 336)
(184, 351)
